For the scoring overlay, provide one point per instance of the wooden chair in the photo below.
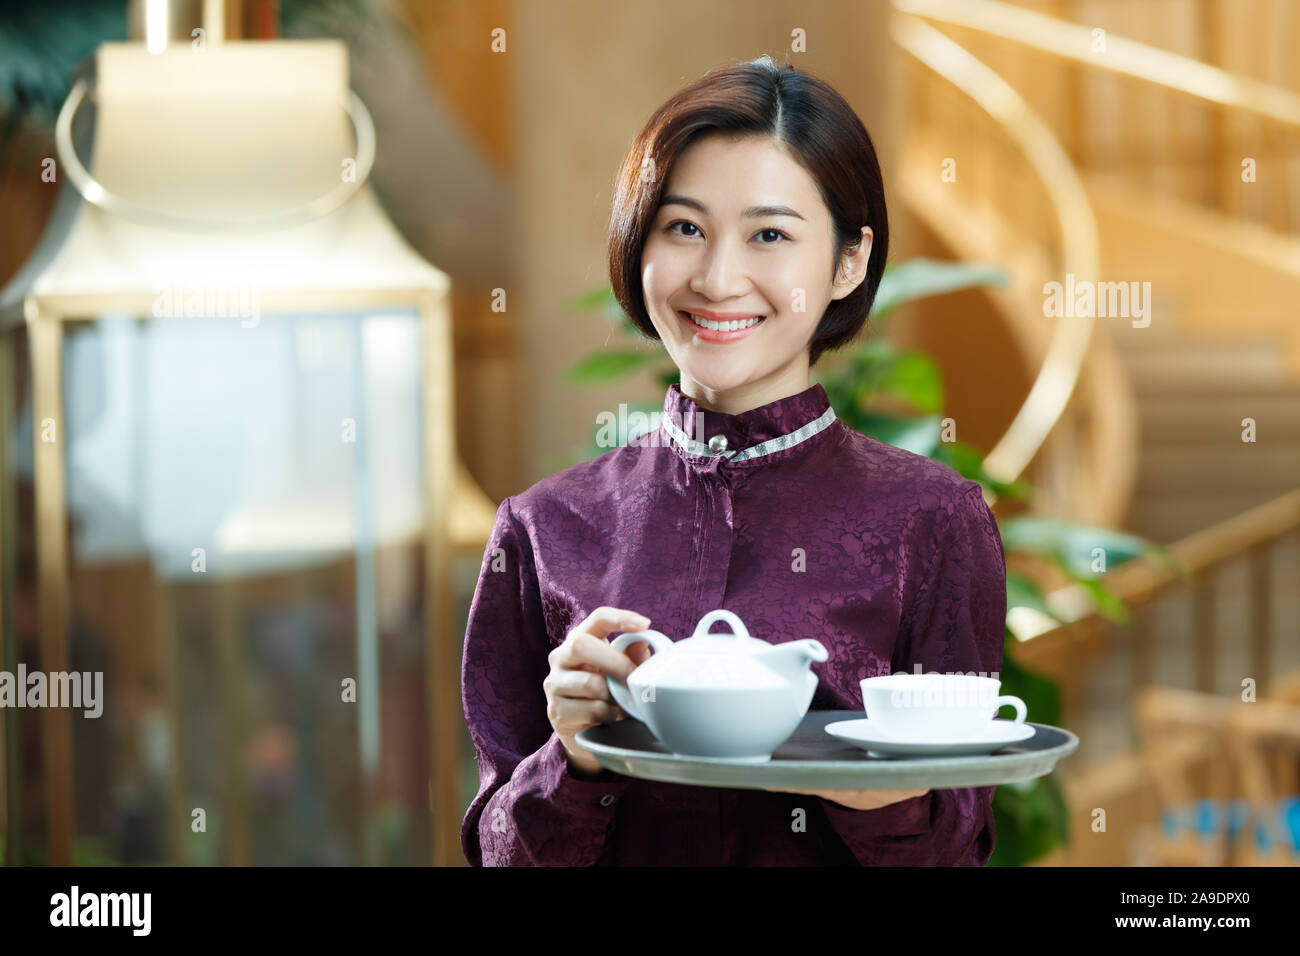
(1286, 689)
(1264, 741)
(1184, 746)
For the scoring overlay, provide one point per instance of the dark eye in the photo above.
(683, 222)
(777, 232)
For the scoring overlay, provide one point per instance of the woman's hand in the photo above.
(861, 799)
(577, 696)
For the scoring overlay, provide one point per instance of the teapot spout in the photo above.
(792, 660)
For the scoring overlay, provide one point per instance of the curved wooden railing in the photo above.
(1243, 118)
(1068, 651)
(1253, 537)
(1100, 481)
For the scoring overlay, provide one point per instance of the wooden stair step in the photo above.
(1199, 420)
(1243, 465)
(1168, 516)
(1251, 372)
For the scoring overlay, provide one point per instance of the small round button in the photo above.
(718, 444)
(607, 799)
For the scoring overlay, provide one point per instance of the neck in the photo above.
(742, 398)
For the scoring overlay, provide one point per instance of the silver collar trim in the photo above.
(780, 443)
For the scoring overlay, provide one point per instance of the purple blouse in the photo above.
(800, 525)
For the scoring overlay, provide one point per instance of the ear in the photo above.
(852, 267)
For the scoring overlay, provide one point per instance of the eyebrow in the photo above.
(753, 212)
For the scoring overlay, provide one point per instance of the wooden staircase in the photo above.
(1198, 375)
(1192, 398)
(1222, 256)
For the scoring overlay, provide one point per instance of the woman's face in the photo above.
(742, 232)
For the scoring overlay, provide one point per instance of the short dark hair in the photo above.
(819, 128)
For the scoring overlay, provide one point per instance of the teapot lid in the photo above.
(738, 642)
(712, 660)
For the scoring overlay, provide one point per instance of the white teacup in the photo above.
(939, 706)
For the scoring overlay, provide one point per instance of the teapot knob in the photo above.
(737, 625)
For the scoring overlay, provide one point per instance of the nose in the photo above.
(721, 274)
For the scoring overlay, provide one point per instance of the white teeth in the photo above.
(732, 326)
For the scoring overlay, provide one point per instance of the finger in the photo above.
(573, 715)
(887, 796)
(583, 648)
(580, 685)
(605, 620)
(640, 652)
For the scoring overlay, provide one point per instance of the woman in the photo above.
(748, 235)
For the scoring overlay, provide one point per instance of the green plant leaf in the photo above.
(1164, 557)
(865, 363)
(1022, 592)
(1029, 822)
(603, 367)
(1018, 490)
(1030, 819)
(968, 461)
(598, 298)
(913, 378)
(41, 47)
(1071, 546)
(1106, 601)
(603, 299)
(917, 435)
(1042, 695)
(870, 351)
(639, 419)
(919, 278)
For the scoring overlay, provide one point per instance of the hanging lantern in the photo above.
(241, 377)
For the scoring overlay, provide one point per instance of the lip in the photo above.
(722, 338)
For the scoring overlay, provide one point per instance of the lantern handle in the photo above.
(96, 193)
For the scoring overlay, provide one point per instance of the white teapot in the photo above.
(728, 696)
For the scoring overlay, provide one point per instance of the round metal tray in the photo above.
(814, 760)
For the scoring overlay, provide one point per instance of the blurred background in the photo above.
(295, 292)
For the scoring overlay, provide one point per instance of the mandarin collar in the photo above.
(697, 432)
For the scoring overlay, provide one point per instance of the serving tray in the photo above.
(814, 760)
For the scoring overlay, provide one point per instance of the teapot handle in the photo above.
(737, 625)
(617, 688)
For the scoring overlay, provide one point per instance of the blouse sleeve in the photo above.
(529, 810)
(957, 622)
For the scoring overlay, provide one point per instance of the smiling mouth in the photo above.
(734, 325)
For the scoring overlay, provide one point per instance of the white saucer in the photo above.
(862, 733)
